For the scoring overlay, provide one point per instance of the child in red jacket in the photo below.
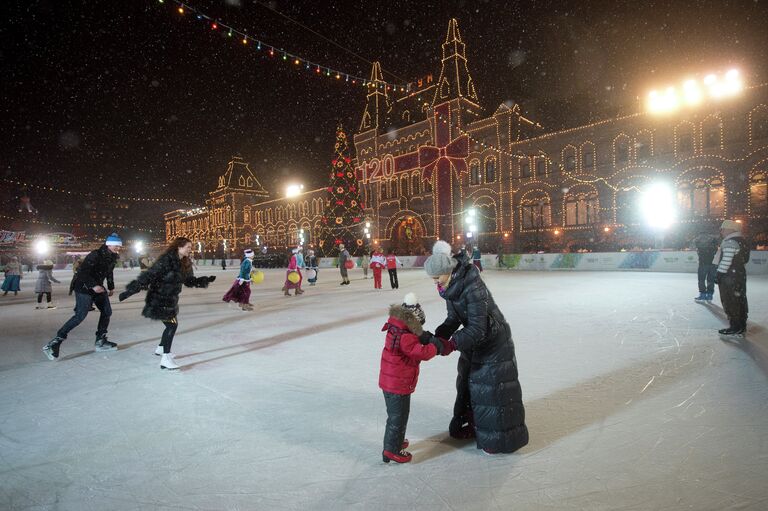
(406, 346)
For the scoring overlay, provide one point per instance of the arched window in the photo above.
(536, 212)
(627, 207)
(393, 191)
(404, 186)
(415, 184)
(758, 124)
(490, 170)
(588, 156)
(428, 186)
(758, 194)
(621, 150)
(711, 133)
(474, 172)
(644, 146)
(383, 195)
(702, 198)
(541, 166)
(684, 142)
(582, 209)
(525, 167)
(569, 158)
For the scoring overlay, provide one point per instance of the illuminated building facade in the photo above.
(431, 165)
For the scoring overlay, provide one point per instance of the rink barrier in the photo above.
(651, 261)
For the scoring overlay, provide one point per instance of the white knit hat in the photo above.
(248, 253)
(411, 303)
(440, 262)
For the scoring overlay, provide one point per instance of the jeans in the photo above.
(733, 295)
(393, 278)
(707, 274)
(83, 302)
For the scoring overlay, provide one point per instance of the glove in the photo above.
(438, 344)
(211, 278)
(123, 296)
(426, 337)
(449, 347)
(444, 331)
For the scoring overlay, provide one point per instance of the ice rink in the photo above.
(632, 401)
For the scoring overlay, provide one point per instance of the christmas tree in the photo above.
(343, 215)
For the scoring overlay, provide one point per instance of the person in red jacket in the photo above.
(392, 263)
(405, 347)
(378, 262)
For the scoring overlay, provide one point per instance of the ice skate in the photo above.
(247, 307)
(50, 306)
(159, 351)
(167, 362)
(51, 349)
(708, 298)
(299, 292)
(399, 457)
(39, 306)
(102, 344)
(701, 298)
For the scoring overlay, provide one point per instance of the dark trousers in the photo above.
(393, 278)
(170, 330)
(83, 302)
(398, 409)
(733, 295)
(40, 297)
(707, 274)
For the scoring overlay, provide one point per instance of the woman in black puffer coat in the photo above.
(489, 402)
(163, 281)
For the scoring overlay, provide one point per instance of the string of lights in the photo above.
(273, 52)
(80, 224)
(84, 194)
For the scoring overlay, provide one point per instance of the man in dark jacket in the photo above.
(89, 290)
(489, 402)
(732, 278)
(706, 247)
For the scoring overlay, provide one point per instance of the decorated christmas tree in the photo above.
(343, 220)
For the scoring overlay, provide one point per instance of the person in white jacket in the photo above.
(731, 277)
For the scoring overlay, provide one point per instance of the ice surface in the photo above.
(632, 402)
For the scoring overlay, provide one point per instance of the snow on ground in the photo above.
(632, 402)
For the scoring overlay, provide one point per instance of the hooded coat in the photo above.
(163, 281)
(402, 352)
(98, 265)
(44, 279)
(487, 383)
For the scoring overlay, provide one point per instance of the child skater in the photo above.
(405, 347)
(378, 263)
(43, 284)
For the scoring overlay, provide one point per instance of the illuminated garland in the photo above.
(273, 51)
(84, 194)
(79, 224)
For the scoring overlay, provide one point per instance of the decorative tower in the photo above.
(377, 101)
(455, 81)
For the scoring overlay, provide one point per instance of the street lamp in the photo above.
(138, 246)
(471, 221)
(293, 190)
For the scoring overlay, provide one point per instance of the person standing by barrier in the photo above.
(365, 262)
(706, 248)
(392, 263)
(89, 290)
(731, 262)
(343, 258)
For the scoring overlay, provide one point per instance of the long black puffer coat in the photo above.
(487, 380)
(163, 283)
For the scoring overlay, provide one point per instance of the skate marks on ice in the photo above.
(577, 407)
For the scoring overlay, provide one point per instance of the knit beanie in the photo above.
(411, 303)
(113, 240)
(248, 253)
(440, 262)
(732, 225)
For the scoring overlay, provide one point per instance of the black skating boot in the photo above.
(102, 344)
(51, 349)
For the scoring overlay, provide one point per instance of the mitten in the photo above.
(211, 278)
(439, 344)
(123, 296)
(449, 347)
(444, 331)
(426, 337)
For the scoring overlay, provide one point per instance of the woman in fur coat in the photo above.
(43, 285)
(163, 281)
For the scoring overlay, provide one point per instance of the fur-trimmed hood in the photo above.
(402, 314)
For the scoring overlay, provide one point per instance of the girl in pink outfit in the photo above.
(293, 265)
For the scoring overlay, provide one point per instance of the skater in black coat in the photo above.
(489, 400)
(163, 282)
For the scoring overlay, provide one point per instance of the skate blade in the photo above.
(170, 368)
(105, 349)
(49, 354)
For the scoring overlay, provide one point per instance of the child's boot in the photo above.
(398, 457)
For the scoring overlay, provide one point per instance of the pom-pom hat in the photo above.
(411, 303)
(248, 253)
(440, 262)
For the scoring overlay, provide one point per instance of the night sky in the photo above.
(132, 99)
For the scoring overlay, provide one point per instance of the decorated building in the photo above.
(433, 164)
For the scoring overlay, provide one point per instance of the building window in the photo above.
(525, 168)
(760, 128)
(758, 195)
(685, 143)
(536, 213)
(589, 158)
(627, 207)
(570, 162)
(712, 138)
(541, 167)
(622, 152)
(383, 190)
(490, 170)
(582, 209)
(702, 198)
(474, 172)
